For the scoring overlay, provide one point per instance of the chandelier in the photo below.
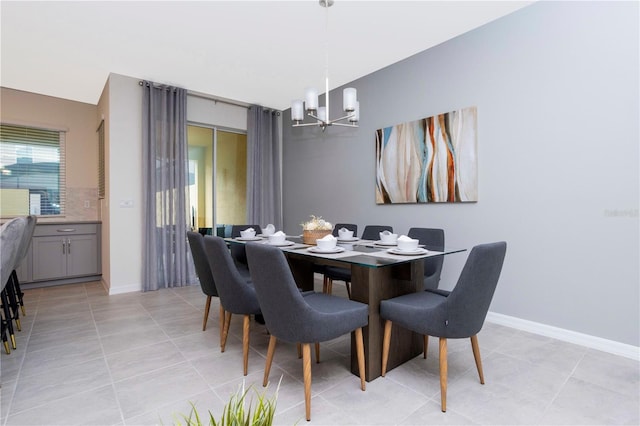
(350, 104)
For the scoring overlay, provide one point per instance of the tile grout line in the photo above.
(17, 379)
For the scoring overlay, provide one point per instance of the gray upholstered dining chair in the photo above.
(449, 315)
(203, 270)
(336, 273)
(10, 239)
(237, 296)
(432, 239)
(350, 226)
(27, 235)
(333, 273)
(293, 318)
(237, 250)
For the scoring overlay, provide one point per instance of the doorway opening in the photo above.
(217, 179)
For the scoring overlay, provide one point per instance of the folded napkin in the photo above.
(386, 235)
(328, 237)
(269, 229)
(404, 238)
(279, 233)
(345, 233)
(249, 230)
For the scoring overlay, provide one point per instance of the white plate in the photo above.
(408, 252)
(331, 250)
(348, 239)
(256, 238)
(385, 243)
(282, 244)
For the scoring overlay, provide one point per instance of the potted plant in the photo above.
(235, 412)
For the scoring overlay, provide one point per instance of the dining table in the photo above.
(379, 271)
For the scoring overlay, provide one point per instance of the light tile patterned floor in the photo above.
(85, 358)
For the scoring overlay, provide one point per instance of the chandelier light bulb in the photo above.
(297, 110)
(311, 99)
(355, 117)
(322, 114)
(349, 99)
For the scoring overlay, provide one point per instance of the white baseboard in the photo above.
(123, 289)
(593, 342)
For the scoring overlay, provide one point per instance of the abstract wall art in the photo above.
(432, 160)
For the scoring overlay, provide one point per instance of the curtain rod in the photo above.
(209, 97)
(218, 99)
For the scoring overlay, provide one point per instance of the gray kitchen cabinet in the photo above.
(65, 251)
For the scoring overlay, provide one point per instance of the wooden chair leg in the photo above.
(306, 373)
(245, 343)
(385, 346)
(299, 346)
(443, 373)
(476, 355)
(225, 330)
(270, 351)
(360, 353)
(425, 345)
(222, 315)
(325, 284)
(329, 285)
(207, 306)
(317, 353)
(348, 285)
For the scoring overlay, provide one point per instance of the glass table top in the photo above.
(360, 252)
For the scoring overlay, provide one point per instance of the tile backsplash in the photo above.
(82, 204)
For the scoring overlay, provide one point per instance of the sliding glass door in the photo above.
(217, 178)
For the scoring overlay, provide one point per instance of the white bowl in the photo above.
(326, 244)
(247, 234)
(388, 238)
(277, 239)
(407, 245)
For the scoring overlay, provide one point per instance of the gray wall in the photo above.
(556, 86)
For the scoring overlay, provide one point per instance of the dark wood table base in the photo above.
(370, 285)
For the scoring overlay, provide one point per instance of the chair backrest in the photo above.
(283, 307)
(372, 232)
(10, 239)
(236, 295)
(29, 228)
(350, 226)
(237, 250)
(235, 229)
(196, 242)
(432, 239)
(469, 301)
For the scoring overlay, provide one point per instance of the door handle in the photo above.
(68, 246)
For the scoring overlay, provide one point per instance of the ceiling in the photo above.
(263, 52)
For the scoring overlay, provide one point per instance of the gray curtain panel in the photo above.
(264, 188)
(166, 259)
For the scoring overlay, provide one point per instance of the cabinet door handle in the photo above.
(67, 230)
(63, 247)
(68, 246)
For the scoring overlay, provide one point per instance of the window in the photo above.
(32, 171)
